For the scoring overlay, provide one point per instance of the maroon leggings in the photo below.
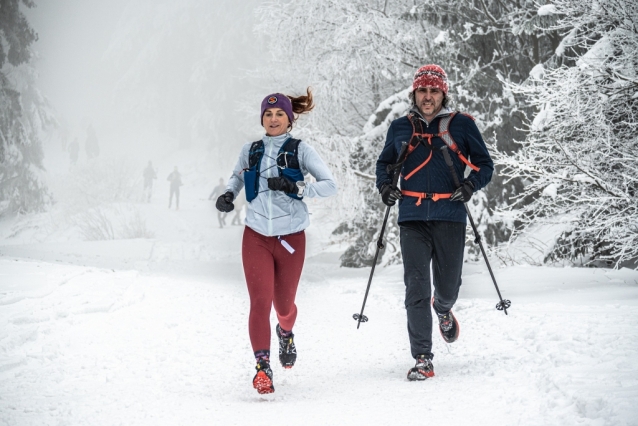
(272, 276)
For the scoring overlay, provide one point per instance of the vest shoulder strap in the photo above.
(415, 139)
(444, 133)
(255, 153)
(289, 154)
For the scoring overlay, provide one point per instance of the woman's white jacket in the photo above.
(273, 213)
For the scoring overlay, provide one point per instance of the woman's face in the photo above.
(275, 122)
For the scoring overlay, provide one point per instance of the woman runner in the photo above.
(272, 172)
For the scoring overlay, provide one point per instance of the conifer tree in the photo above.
(21, 115)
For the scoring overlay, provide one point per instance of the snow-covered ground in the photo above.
(154, 332)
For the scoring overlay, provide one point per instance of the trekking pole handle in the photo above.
(448, 161)
(396, 167)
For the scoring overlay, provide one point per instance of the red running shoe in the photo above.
(263, 379)
(422, 370)
(448, 325)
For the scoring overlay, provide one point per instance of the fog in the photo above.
(157, 80)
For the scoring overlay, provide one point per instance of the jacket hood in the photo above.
(442, 113)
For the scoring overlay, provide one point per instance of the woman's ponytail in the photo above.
(302, 104)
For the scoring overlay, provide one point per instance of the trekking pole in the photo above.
(396, 168)
(503, 304)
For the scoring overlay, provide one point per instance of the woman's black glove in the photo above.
(282, 184)
(463, 192)
(390, 194)
(225, 202)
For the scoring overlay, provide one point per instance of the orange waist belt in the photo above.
(425, 196)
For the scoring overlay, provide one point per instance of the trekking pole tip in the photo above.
(359, 318)
(503, 305)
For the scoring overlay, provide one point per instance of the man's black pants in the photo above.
(442, 244)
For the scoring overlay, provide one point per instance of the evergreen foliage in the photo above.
(21, 115)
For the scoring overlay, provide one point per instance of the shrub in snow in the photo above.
(112, 222)
(103, 181)
(134, 226)
(98, 197)
(95, 225)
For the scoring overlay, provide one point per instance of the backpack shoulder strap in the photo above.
(255, 153)
(444, 133)
(417, 133)
(289, 154)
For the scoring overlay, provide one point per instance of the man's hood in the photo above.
(442, 113)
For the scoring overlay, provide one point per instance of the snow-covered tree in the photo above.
(360, 54)
(22, 115)
(366, 218)
(580, 157)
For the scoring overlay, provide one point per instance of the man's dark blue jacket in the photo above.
(435, 177)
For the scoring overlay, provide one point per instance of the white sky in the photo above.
(145, 104)
(73, 35)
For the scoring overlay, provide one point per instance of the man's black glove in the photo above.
(282, 184)
(225, 202)
(463, 192)
(390, 194)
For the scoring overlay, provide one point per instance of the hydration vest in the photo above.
(419, 137)
(287, 164)
(444, 133)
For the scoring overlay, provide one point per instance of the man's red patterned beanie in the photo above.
(430, 76)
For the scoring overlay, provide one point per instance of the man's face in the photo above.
(429, 101)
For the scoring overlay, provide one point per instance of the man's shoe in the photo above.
(287, 349)
(449, 327)
(422, 370)
(263, 379)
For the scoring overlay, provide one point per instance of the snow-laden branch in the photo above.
(579, 158)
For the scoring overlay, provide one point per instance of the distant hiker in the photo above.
(91, 146)
(149, 175)
(432, 218)
(175, 178)
(273, 247)
(74, 150)
(217, 191)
